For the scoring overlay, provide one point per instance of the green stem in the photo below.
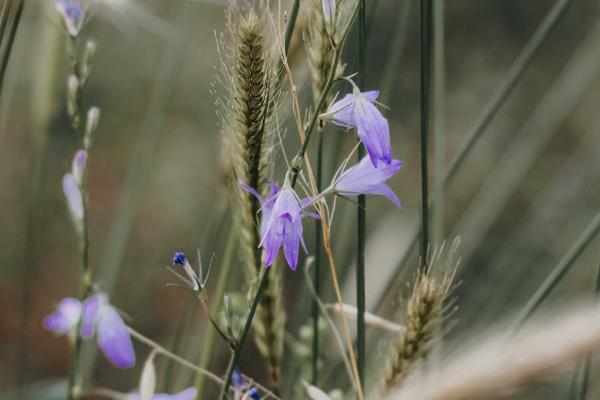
(289, 30)
(426, 24)
(297, 162)
(11, 40)
(361, 208)
(439, 133)
(559, 271)
(211, 334)
(317, 270)
(233, 361)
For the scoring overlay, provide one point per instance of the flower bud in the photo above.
(73, 16)
(88, 59)
(91, 124)
(78, 166)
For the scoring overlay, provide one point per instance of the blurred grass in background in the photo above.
(520, 200)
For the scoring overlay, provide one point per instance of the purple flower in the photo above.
(281, 223)
(65, 318)
(73, 15)
(78, 166)
(364, 178)
(187, 394)
(253, 394)
(358, 110)
(112, 333)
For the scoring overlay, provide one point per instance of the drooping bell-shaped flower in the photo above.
(365, 178)
(65, 318)
(194, 281)
(358, 110)
(281, 223)
(187, 394)
(100, 318)
(73, 15)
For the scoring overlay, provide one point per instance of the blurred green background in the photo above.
(524, 194)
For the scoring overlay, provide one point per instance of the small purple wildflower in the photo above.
(238, 381)
(281, 223)
(358, 110)
(364, 178)
(65, 318)
(187, 394)
(112, 333)
(73, 15)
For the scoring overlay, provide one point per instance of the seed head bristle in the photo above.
(423, 317)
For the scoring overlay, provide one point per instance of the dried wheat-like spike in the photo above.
(320, 51)
(248, 74)
(423, 317)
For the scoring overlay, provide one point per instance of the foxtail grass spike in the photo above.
(249, 137)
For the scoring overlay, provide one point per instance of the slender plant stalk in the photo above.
(10, 40)
(426, 22)
(289, 29)
(233, 361)
(559, 271)
(361, 207)
(208, 343)
(438, 120)
(317, 270)
(507, 84)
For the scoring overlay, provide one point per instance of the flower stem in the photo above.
(361, 207)
(233, 361)
(317, 270)
(426, 23)
(289, 30)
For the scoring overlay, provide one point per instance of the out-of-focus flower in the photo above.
(65, 318)
(281, 223)
(73, 15)
(74, 198)
(252, 393)
(187, 394)
(365, 178)
(358, 110)
(329, 15)
(78, 166)
(99, 317)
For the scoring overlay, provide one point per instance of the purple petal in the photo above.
(73, 195)
(78, 166)
(342, 112)
(287, 204)
(89, 315)
(251, 190)
(384, 190)
(364, 175)
(65, 317)
(114, 338)
(374, 131)
(291, 242)
(187, 394)
(371, 95)
(271, 242)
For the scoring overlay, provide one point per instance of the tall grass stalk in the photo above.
(504, 88)
(426, 26)
(439, 120)
(361, 221)
(7, 45)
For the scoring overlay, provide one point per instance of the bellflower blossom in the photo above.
(244, 389)
(358, 110)
(73, 15)
(112, 333)
(281, 223)
(364, 178)
(187, 394)
(194, 281)
(65, 318)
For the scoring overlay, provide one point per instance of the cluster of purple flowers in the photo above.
(283, 210)
(95, 317)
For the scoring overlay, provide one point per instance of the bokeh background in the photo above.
(524, 194)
